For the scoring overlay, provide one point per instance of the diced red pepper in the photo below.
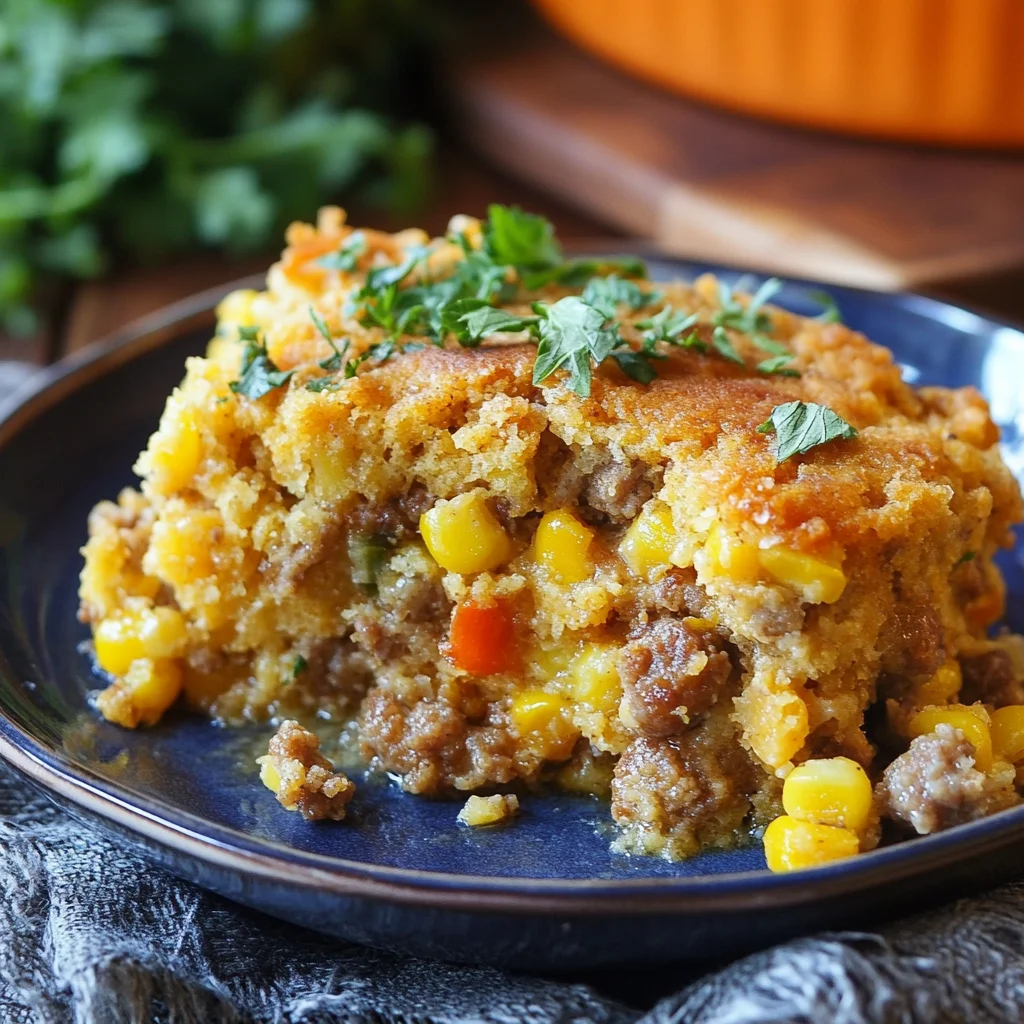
(482, 639)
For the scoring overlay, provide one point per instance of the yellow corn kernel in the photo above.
(595, 677)
(181, 549)
(818, 581)
(943, 686)
(971, 720)
(268, 773)
(551, 661)
(464, 536)
(1008, 733)
(332, 473)
(125, 637)
(488, 810)
(143, 694)
(175, 455)
(728, 556)
(829, 791)
(650, 539)
(562, 545)
(235, 309)
(791, 845)
(153, 686)
(542, 719)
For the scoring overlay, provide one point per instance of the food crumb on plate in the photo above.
(489, 810)
(301, 777)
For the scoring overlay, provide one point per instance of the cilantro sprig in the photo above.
(608, 293)
(801, 426)
(259, 374)
(346, 257)
(519, 251)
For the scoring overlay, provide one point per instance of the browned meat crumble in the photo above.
(935, 784)
(302, 778)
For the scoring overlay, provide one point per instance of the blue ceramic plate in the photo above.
(546, 892)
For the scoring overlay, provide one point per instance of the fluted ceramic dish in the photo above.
(546, 892)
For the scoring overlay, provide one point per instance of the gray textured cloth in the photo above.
(91, 933)
(94, 934)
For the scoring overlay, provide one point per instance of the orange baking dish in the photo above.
(948, 71)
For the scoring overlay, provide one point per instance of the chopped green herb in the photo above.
(766, 344)
(334, 361)
(379, 278)
(367, 553)
(720, 340)
(471, 320)
(347, 256)
(259, 374)
(608, 293)
(779, 366)
(328, 383)
(750, 319)
(801, 426)
(381, 352)
(830, 313)
(299, 667)
(669, 325)
(967, 556)
(571, 334)
(636, 365)
(574, 273)
(522, 240)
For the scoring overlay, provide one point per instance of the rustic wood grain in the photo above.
(710, 184)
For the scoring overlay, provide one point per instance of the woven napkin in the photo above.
(94, 934)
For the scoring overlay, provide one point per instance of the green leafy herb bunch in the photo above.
(136, 128)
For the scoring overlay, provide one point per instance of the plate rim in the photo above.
(236, 851)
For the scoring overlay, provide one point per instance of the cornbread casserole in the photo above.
(534, 521)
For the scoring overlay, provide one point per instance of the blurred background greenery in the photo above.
(134, 129)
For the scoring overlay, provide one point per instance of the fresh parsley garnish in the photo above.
(801, 426)
(967, 556)
(259, 375)
(299, 667)
(347, 256)
(471, 320)
(577, 272)
(751, 319)
(334, 361)
(378, 278)
(381, 352)
(328, 383)
(673, 327)
(724, 346)
(830, 313)
(779, 366)
(571, 334)
(636, 365)
(608, 293)
(522, 240)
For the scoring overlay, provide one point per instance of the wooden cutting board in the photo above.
(712, 185)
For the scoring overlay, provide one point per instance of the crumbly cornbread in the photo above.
(505, 582)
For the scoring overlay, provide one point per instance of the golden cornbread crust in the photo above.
(252, 514)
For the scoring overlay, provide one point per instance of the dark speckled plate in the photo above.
(545, 892)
